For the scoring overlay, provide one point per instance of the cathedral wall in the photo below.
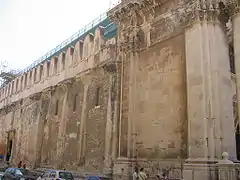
(22, 119)
(161, 101)
(45, 107)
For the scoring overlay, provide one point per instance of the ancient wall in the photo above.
(107, 104)
(152, 49)
(161, 100)
(58, 118)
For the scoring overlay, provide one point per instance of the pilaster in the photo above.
(126, 14)
(210, 111)
(64, 86)
(46, 94)
(110, 131)
(40, 124)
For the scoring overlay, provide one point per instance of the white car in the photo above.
(57, 175)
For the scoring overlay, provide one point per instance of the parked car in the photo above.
(17, 174)
(1, 175)
(57, 175)
(92, 178)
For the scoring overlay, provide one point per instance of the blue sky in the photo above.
(30, 28)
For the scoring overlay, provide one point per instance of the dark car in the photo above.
(17, 174)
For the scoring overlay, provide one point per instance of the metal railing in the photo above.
(67, 42)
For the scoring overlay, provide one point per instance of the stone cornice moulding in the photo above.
(188, 12)
(36, 96)
(110, 67)
(47, 93)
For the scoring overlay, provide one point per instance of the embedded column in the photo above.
(86, 80)
(236, 46)
(210, 111)
(64, 87)
(110, 68)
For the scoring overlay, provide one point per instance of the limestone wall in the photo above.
(161, 100)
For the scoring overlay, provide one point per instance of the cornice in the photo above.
(138, 18)
(234, 7)
(126, 9)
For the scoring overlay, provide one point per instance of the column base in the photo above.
(123, 169)
(199, 169)
(108, 172)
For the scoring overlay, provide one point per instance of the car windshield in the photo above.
(65, 175)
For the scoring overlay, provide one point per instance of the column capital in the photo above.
(84, 78)
(47, 93)
(111, 67)
(36, 96)
(212, 11)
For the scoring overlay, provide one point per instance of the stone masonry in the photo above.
(158, 93)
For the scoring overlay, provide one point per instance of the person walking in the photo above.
(20, 164)
(142, 175)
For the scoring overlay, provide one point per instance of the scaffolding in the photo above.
(101, 21)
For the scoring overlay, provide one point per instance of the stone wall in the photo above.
(59, 109)
(106, 105)
(161, 101)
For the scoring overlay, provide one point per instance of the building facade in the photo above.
(155, 84)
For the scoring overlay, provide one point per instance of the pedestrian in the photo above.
(24, 166)
(20, 164)
(164, 176)
(136, 174)
(8, 156)
(142, 175)
(158, 177)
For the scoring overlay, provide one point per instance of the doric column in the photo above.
(116, 117)
(46, 95)
(210, 111)
(40, 119)
(112, 119)
(236, 45)
(86, 80)
(64, 87)
(38, 98)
